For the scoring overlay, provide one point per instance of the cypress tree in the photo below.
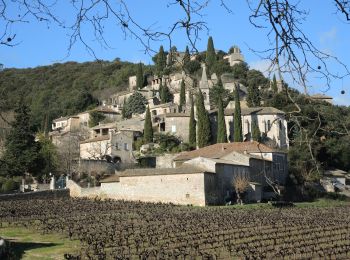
(256, 134)
(210, 55)
(160, 90)
(192, 131)
(165, 95)
(21, 150)
(203, 134)
(237, 127)
(148, 130)
(182, 95)
(274, 84)
(221, 136)
(187, 57)
(161, 61)
(139, 76)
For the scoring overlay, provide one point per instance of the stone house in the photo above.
(271, 122)
(201, 177)
(266, 165)
(103, 129)
(66, 124)
(177, 124)
(116, 146)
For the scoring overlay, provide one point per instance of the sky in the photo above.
(41, 44)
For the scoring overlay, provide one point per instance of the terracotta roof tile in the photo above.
(217, 151)
(96, 139)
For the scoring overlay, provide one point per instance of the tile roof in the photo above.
(217, 151)
(107, 125)
(177, 114)
(63, 118)
(96, 139)
(185, 169)
(253, 110)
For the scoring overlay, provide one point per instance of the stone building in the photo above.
(116, 146)
(66, 124)
(271, 122)
(234, 57)
(265, 164)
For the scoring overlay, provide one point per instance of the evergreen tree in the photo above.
(182, 95)
(192, 131)
(219, 92)
(148, 130)
(136, 104)
(21, 150)
(165, 95)
(204, 133)
(187, 57)
(161, 61)
(139, 77)
(221, 134)
(237, 126)
(255, 79)
(95, 117)
(274, 84)
(256, 134)
(210, 55)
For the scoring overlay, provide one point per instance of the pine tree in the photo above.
(221, 136)
(182, 95)
(21, 150)
(256, 134)
(139, 76)
(237, 127)
(210, 55)
(161, 61)
(274, 84)
(204, 132)
(148, 130)
(187, 57)
(192, 131)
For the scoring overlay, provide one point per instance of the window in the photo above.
(268, 125)
(280, 124)
(173, 128)
(126, 147)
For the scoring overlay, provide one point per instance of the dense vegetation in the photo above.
(134, 230)
(63, 89)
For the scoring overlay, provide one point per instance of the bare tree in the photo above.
(240, 184)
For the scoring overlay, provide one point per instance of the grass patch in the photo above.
(322, 203)
(30, 244)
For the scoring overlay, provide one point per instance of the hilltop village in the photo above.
(149, 140)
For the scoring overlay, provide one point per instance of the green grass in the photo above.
(30, 244)
(322, 203)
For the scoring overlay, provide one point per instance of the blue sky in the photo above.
(42, 44)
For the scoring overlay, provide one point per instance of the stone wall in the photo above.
(182, 189)
(47, 194)
(165, 161)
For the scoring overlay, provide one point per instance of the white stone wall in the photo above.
(177, 188)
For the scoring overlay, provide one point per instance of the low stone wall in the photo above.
(76, 191)
(46, 194)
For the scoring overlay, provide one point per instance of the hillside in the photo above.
(63, 89)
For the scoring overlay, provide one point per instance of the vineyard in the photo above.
(135, 230)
